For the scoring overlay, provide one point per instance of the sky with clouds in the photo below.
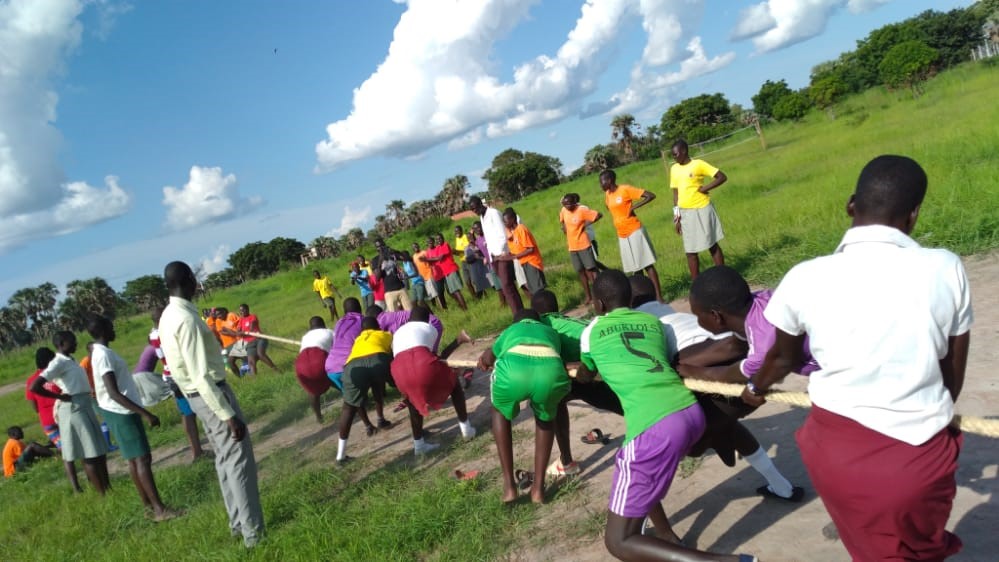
(133, 134)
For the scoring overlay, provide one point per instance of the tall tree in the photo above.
(907, 65)
(515, 174)
(254, 260)
(146, 292)
(598, 158)
(624, 130)
(38, 307)
(86, 297)
(769, 96)
(698, 118)
(451, 198)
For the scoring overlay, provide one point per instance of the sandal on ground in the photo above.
(797, 493)
(384, 424)
(595, 437)
(523, 479)
(557, 469)
(370, 430)
(462, 475)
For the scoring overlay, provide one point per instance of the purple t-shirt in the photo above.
(480, 243)
(761, 335)
(147, 360)
(392, 321)
(345, 332)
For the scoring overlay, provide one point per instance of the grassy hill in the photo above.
(780, 206)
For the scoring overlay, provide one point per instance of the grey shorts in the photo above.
(418, 292)
(636, 251)
(453, 282)
(535, 278)
(583, 260)
(701, 229)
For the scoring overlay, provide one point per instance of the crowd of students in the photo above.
(881, 328)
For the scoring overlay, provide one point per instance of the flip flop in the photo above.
(523, 479)
(797, 493)
(595, 437)
(461, 475)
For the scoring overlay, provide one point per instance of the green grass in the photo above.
(780, 206)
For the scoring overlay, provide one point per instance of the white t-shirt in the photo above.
(878, 314)
(67, 374)
(319, 337)
(413, 334)
(104, 360)
(494, 231)
(681, 329)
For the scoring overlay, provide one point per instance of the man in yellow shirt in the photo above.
(325, 289)
(694, 216)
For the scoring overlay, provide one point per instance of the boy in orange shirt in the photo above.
(574, 218)
(636, 250)
(524, 249)
(17, 454)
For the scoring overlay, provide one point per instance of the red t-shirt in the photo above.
(377, 288)
(446, 266)
(249, 323)
(43, 403)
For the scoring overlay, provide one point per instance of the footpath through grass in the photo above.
(779, 207)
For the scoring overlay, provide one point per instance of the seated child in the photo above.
(17, 454)
(527, 367)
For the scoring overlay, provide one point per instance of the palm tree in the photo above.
(623, 130)
(451, 198)
(354, 238)
(600, 157)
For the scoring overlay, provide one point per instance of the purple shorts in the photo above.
(644, 468)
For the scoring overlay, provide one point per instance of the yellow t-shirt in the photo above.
(687, 179)
(370, 342)
(324, 287)
(460, 243)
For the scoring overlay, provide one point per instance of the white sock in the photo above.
(341, 447)
(775, 480)
(417, 443)
(465, 427)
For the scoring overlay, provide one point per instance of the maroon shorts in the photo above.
(889, 500)
(310, 370)
(423, 379)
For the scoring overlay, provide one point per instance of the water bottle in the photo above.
(243, 369)
(107, 437)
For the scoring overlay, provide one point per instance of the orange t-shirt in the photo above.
(425, 269)
(575, 226)
(11, 452)
(521, 239)
(89, 369)
(619, 204)
(232, 322)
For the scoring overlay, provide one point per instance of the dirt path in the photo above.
(715, 508)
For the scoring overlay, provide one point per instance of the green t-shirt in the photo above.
(526, 332)
(629, 350)
(569, 331)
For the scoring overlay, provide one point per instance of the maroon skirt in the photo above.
(423, 379)
(310, 370)
(889, 500)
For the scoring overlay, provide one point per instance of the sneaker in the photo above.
(425, 447)
(556, 469)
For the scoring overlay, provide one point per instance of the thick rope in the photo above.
(970, 424)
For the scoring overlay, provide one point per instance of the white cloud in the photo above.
(218, 261)
(36, 201)
(207, 197)
(351, 219)
(440, 57)
(78, 206)
(775, 24)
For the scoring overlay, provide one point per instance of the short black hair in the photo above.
(43, 356)
(175, 273)
(544, 302)
(680, 143)
(612, 288)
(98, 326)
(889, 188)
(62, 337)
(15, 432)
(608, 174)
(373, 310)
(370, 323)
(316, 322)
(419, 314)
(474, 201)
(351, 304)
(509, 212)
(722, 288)
(642, 290)
(526, 314)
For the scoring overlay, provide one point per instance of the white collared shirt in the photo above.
(494, 231)
(104, 360)
(878, 313)
(67, 374)
(414, 334)
(318, 337)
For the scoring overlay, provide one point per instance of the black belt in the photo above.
(220, 384)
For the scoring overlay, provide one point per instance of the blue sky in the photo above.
(133, 134)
